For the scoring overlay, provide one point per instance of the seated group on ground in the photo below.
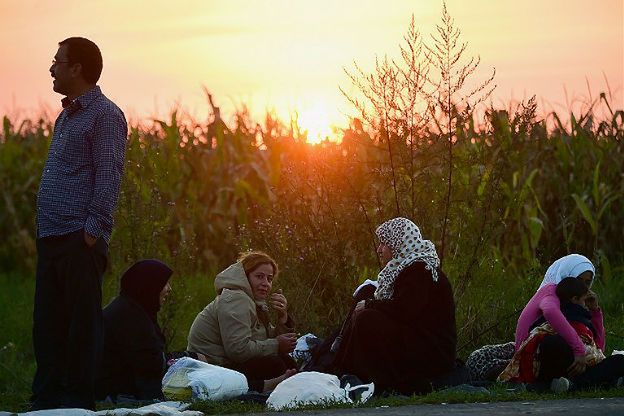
(399, 334)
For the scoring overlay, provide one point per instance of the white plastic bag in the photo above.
(162, 409)
(314, 388)
(365, 283)
(189, 379)
(302, 354)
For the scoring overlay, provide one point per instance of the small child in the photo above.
(572, 294)
(525, 364)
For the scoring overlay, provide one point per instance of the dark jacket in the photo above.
(426, 311)
(133, 359)
(404, 344)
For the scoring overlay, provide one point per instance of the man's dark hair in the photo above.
(86, 53)
(569, 288)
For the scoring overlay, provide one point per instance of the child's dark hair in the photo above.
(569, 288)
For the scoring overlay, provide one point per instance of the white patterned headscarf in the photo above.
(572, 265)
(407, 245)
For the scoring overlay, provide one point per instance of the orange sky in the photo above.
(290, 54)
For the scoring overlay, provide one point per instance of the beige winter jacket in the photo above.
(228, 330)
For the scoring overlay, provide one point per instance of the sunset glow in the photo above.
(316, 121)
(290, 55)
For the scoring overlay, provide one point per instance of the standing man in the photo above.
(75, 203)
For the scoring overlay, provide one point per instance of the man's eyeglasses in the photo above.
(54, 62)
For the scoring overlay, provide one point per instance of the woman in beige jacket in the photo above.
(234, 330)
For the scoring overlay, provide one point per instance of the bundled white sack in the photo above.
(302, 353)
(315, 388)
(161, 409)
(190, 379)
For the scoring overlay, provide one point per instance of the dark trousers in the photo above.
(556, 356)
(603, 374)
(67, 321)
(259, 369)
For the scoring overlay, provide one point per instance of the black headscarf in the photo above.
(143, 282)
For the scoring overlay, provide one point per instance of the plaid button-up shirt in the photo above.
(80, 182)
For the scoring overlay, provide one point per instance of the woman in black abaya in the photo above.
(133, 360)
(403, 338)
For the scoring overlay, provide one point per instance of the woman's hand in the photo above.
(280, 304)
(578, 366)
(286, 342)
(591, 301)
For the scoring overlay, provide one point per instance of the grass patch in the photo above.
(497, 393)
(191, 293)
(17, 360)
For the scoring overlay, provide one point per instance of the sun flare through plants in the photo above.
(316, 121)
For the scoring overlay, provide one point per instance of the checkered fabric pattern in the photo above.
(80, 182)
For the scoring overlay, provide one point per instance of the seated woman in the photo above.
(546, 303)
(403, 338)
(572, 294)
(234, 330)
(133, 356)
(544, 357)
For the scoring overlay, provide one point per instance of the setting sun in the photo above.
(316, 121)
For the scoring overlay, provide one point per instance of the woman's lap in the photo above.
(377, 348)
(264, 368)
(555, 356)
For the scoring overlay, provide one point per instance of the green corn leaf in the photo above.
(596, 184)
(607, 203)
(586, 212)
